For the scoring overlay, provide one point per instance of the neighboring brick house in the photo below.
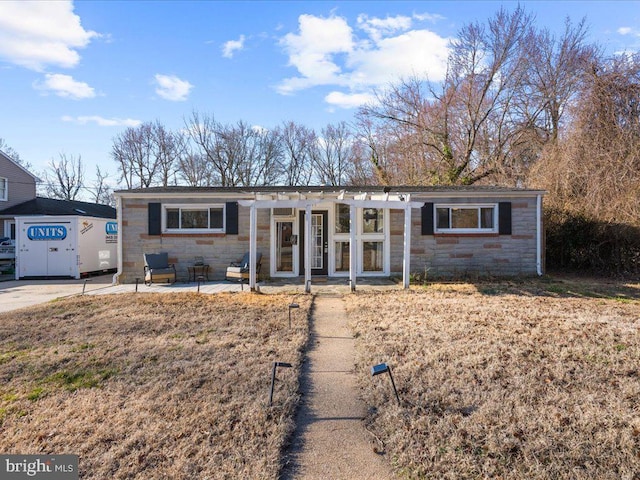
(17, 185)
(444, 231)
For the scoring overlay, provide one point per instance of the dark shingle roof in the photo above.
(50, 206)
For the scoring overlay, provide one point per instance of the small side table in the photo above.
(198, 271)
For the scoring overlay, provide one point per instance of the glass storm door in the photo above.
(284, 246)
(319, 243)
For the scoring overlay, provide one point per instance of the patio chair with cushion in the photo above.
(239, 271)
(157, 268)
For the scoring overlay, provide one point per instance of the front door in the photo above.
(319, 243)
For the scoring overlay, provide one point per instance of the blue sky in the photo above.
(73, 75)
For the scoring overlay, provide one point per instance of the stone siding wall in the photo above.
(457, 255)
(217, 249)
(439, 255)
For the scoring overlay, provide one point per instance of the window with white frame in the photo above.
(372, 243)
(4, 190)
(372, 220)
(194, 218)
(466, 218)
(343, 218)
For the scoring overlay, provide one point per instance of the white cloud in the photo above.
(429, 17)
(229, 48)
(37, 34)
(65, 86)
(101, 121)
(172, 88)
(259, 129)
(628, 31)
(376, 28)
(312, 52)
(417, 52)
(327, 52)
(349, 100)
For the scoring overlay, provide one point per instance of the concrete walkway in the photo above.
(330, 441)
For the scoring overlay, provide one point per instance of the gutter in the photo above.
(120, 242)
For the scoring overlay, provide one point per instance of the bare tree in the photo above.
(237, 150)
(168, 148)
(463, 131)
(234, 154)
(203, 131)
(371, 147)
(148, 155)
(557, 71)
(133, 150)
(270, 156)
(298, 143)
(334, 155)
(64, 179)
(195, 170)
(102, 191)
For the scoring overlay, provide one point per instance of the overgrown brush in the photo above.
(576, 243)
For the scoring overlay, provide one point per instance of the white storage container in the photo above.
(65, 246)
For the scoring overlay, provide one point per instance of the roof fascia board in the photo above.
(278, 203)
(392, 204)
(476, 194)
(358, 195)
(230, 195)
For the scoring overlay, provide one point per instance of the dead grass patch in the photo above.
(516, 380)
(152, 385)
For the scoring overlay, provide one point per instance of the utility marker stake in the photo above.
(273, 377)
(85, 285)
(137, 280)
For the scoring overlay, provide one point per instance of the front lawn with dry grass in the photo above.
(151, 386)
(528, 380)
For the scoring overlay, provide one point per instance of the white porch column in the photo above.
(406, 258)
(307, 249)
(253, 246)
(353, 224)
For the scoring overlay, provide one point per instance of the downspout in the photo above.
(539, 235)
(120, 242)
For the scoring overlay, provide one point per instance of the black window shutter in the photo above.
(155, 219)
(427, 219)
(231, 228)
(504, 218)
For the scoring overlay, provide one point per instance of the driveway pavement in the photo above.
(16, 294)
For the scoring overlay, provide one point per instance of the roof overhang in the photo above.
(340, 195)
